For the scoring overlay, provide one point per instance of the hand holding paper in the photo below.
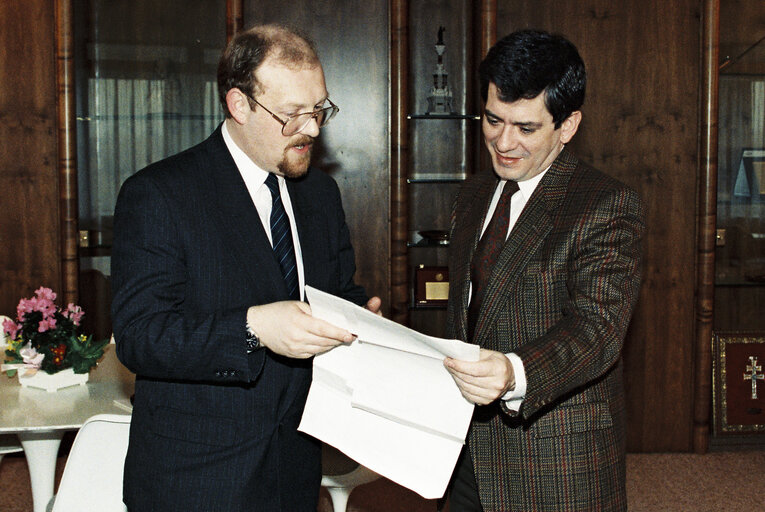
(387, 400)
(483, 381)
(288, 328)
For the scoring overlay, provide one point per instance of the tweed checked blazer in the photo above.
(560, 296)
(215, 428)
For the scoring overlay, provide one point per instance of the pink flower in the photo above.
(42, 302)
(48, 322)
(45, 294)
(25, 306)
(11, 327)
(74, 313)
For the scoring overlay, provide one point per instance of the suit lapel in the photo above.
(465, 240)
(525, 240)
(239, 219)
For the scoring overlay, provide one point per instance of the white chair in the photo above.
(340, 474)
(9, 444)
(92, 479)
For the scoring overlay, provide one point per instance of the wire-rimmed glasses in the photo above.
(297, 122)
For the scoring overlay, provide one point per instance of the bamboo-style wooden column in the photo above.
(67, 151)
(488, 26)
(399, 160)
(234, 18)
(488, 35)
(707, 219)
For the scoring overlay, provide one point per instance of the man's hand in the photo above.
(287, 328)
(485, 380)
(374, 304)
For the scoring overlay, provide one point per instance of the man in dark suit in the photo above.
(212, 250)
(544, 264)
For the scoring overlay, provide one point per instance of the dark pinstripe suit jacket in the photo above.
(214, 429)
(561, 297)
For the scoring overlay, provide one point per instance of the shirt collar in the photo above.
(247, 168)
(528, 186)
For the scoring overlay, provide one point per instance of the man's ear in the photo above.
(570, 126)
(238, 105)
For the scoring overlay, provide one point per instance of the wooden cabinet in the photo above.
(434, 44)
(739, 256)
(441, 159)
(145, 89)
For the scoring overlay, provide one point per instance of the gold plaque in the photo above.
(431, 286)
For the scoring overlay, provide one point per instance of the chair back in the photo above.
(92, 478)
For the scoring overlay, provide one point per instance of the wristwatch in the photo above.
(252, 340)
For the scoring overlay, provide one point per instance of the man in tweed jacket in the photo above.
(548, 430)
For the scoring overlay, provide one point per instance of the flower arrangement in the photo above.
(44, 337)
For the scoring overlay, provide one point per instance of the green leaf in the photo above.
(83, 355)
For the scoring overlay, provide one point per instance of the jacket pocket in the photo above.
(572, 419)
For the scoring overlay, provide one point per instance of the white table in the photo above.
(40, 418)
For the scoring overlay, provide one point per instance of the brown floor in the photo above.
(716, 482)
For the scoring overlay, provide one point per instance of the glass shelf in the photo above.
(732, 284)
(474, 117)
(172, 116)
(429, 244)
(437, 177)
(427, 306)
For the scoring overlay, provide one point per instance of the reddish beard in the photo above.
(292, 165)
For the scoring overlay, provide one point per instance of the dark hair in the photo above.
(528, 62)
(249, 49)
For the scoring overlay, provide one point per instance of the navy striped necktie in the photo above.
(281, 237)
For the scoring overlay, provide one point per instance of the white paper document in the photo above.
(386, 399)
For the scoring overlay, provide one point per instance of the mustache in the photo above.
(302, 141)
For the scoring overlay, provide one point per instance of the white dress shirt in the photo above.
(255, 179)
(514, 398)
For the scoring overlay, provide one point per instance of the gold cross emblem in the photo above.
(752, 374)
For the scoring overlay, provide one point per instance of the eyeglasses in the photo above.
(297, 122)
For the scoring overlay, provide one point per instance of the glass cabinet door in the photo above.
(740, 252)
(145, 86)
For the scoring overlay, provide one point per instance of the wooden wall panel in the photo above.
(29, 199)
(353, 48)
(640, 125)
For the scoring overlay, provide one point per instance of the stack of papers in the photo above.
(386, 399)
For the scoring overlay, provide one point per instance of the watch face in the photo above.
(252, 340)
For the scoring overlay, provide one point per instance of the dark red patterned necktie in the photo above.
(487, 252)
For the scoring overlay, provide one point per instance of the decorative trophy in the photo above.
(440, 98)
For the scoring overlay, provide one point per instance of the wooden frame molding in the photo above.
(67, 151)
(707, 223)
(488, 25)
(234, 18)
(399, 160)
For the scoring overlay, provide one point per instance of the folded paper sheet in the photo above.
(386, 399)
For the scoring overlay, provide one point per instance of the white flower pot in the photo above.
(53, 382)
